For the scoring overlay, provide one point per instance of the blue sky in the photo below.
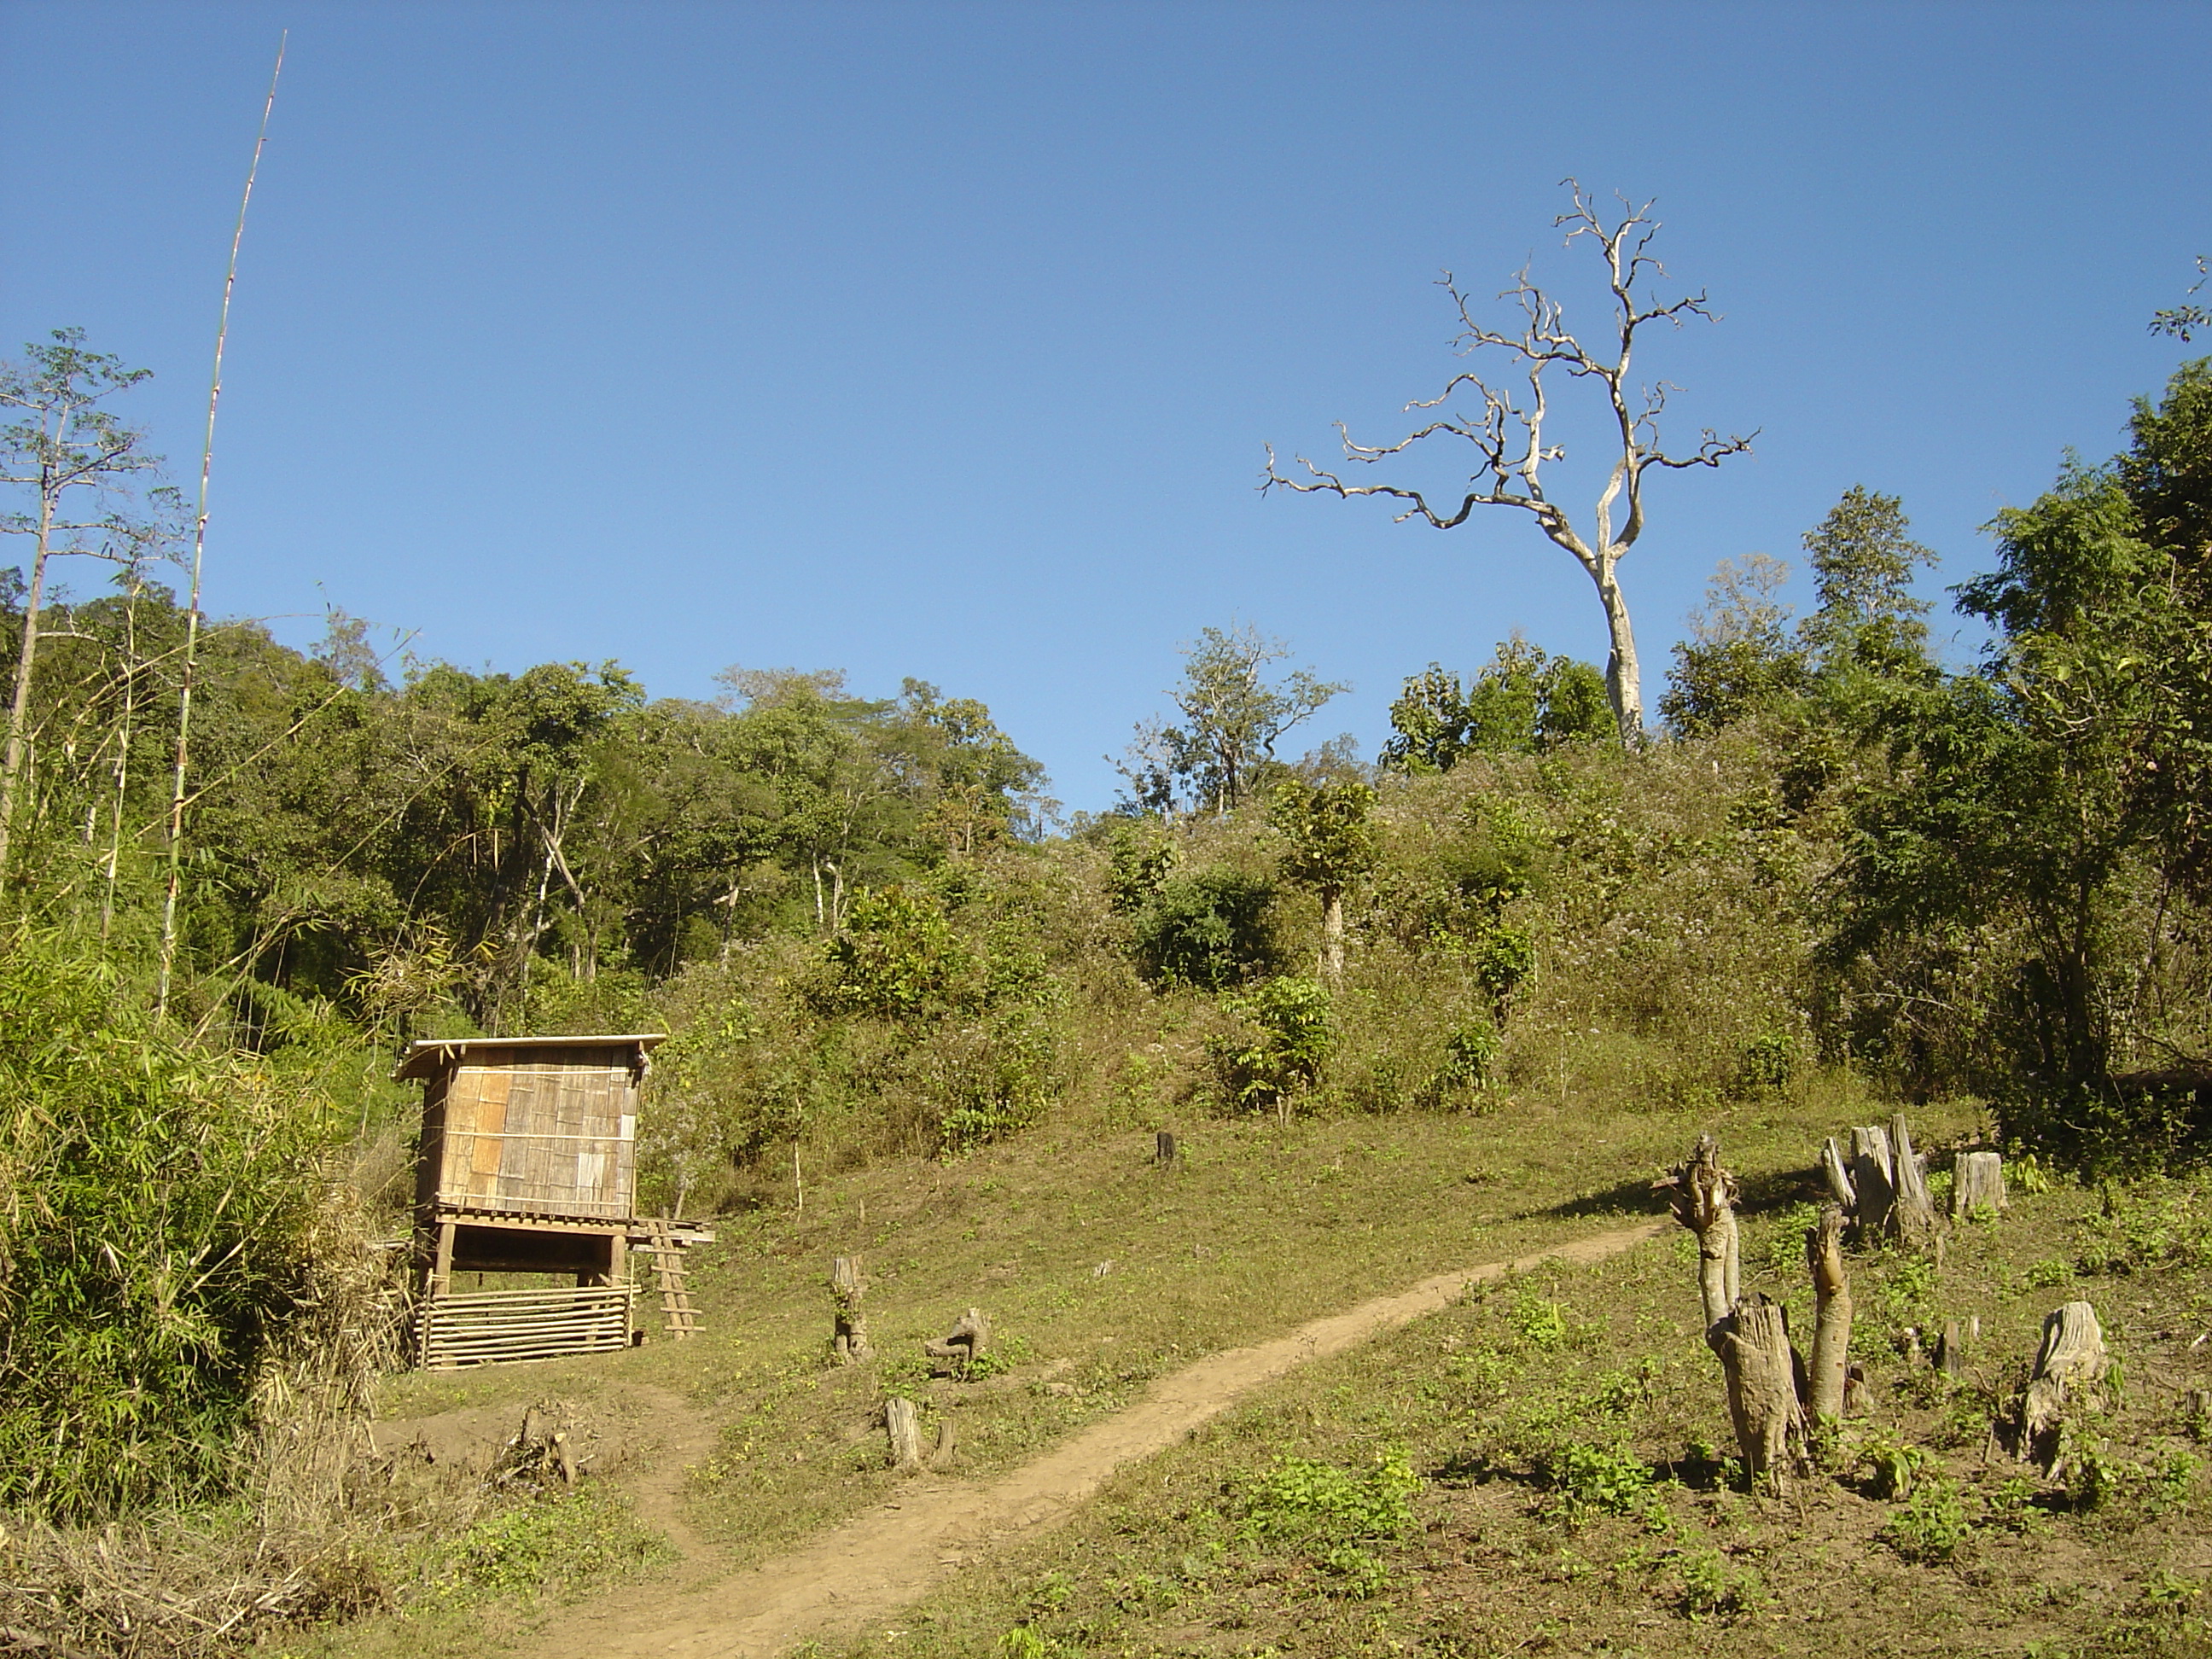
(944, 340)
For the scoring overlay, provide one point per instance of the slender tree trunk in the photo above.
(1332, 937)
(122, 760)
(1624, 679)
(19, 708)
(1832, 1318)
(1704, 1196)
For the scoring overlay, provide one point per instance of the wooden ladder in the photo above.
(681, 1318)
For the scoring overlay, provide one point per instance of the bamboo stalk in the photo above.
(199, 551)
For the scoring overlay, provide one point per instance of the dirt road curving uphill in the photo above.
(861, 1573)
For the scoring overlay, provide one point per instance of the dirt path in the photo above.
(864, 1571)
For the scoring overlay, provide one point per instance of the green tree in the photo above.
(1328, 831)
(1740, 656)
(1233, 714)
(2013, 908)
(60, 443)
(1869, 621)
(1207, 929)
(1524, 702)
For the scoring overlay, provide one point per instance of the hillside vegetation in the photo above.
(1513, 959)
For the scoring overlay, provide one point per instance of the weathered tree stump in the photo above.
(1873, 1176)
(1977, 1184)
(1912, 1214)
(1837, 1168)
(2069, 1371)
(1703, 1197)
(1164, 1149)
(1752, 1342)
(941, 1457)
(1832, 1317)
(960, 1347)
(847, 1290)
(903, 1425)
(1950, 1354)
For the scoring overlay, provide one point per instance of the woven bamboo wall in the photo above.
(546, 1130)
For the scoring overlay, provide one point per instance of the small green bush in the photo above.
(1333, 1513)
(1288, 1023)
(897, 957)
(1470, 1052)
(524, 1548)
(1931, 1525)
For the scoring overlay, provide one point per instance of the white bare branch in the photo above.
(1507, 436)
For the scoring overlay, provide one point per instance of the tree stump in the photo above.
(847, 1289)
(2069, 1368)
(1874, 1177)
(1912, 1214)
(1950, 1350)
(1704, 1199)
(1832, 1317)
(960, 1347)
(1754, 1345)
(941, 1457)
(1977, 1184)
(1837, 1168)
(903, 1425)
(1164, 1149)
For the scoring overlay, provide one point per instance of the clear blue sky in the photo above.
(943, 340)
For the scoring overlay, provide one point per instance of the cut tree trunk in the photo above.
(1950, 1350)
(903, 1425)
(847, 1290)
(941, 1457)
(1874, 1175)
(1977, 1184)
(1703, 1197)
(2069, 1371)
(1832, 1318)
(1911, 1215)
(1754, 1345)
(1837, 1168)
(962, 1345)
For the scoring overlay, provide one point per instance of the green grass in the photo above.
(1256, 1228)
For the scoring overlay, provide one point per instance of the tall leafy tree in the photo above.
(2015, 894)
(61, 445)
(1232, 714)
(1328, 834)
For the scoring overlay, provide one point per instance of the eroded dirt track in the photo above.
(859, 1575)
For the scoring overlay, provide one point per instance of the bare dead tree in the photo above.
(1508, 436)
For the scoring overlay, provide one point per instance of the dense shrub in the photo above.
(156, 1212)
(1208, 930)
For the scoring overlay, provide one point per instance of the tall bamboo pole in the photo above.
(199, 550)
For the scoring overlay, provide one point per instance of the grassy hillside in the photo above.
(1549, 1467)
